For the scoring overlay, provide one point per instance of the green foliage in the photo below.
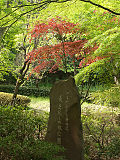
(20, 136)
(42, 92)
(7, 88)
(41, 83)
(27, 91)
(108, 42)
(97, 72)
(113, 148)
(108, 48)
(5, 63)
(9, 78)
(6, 98)
(101, 133)
(110, 97)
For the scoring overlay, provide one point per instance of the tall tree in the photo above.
(107, 39)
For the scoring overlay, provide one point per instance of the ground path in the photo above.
(44, 104)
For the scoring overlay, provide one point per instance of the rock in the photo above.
(64, 126)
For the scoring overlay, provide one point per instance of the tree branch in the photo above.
(43, 6)
(100, 6)
(28, 65)
(33, 4)
(86, 95)
(24, 66)
(9, 14)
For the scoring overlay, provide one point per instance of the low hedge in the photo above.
(6, 98)
(42, 92)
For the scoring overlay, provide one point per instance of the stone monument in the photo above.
(64, 125)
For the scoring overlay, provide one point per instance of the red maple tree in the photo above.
(63, 54)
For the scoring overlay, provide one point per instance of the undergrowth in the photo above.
(101, 126)
(22, 134)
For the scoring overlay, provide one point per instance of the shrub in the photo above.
(6, 98)
(42, 92)
(20, 136)
(9, 78)
(110, 97)
(7, 88)
(101, 134)
(95, 73)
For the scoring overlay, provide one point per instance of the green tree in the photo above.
(5, 63)
(108, 42)
(104, 32)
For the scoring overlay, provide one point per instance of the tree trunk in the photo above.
(116, 80)
(64, 57)
(2, 31)
(20, 80)
(115, 71)
(75, 71)
(15, 92)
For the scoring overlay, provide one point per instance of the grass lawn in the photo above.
(40, 103)
(93, 108)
